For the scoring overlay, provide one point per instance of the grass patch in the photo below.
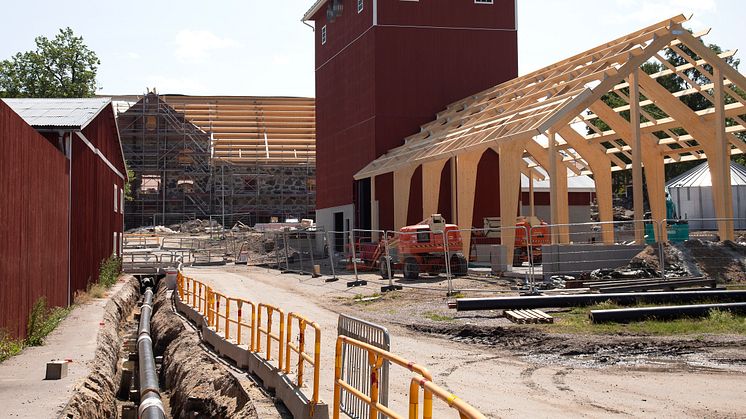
(42, 321)
(437, 317)
(109, 271)
(9, 346)
(577, 321)
(736, 286)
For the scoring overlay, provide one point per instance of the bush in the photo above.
(42, 321)
(9, 346)
(109, 271)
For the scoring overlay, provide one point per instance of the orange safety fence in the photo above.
(300, 349)
(267, 331)
(376, 359)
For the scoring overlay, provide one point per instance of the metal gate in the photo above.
(355, 367)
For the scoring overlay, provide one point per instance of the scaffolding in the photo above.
(195, 157)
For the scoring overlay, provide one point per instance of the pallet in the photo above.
(528, 316)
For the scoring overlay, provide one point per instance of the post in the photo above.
(634, 120)
(227, 318)
(239, 303)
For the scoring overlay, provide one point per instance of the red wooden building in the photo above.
(385, 67)
(62, 175)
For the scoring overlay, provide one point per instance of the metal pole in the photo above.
(446, 254)
(285, 244)
(354, 258)
(310, 250)
(331, 252)
(388, 259)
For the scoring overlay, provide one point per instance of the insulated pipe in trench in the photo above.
(151, 406)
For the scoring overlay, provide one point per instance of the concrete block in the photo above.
(296, 401)
(56, 370)
(573, 259)
(499, 259)
(267, 371)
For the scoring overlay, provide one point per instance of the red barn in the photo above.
(385, 67)
(62, 175)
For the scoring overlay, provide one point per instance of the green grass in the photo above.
(42, 321)
(736, 287)
(109, 271)
(577, 321)
(436, 317)
(9, 346)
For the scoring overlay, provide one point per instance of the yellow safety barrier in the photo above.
(376, 358)
(279, 338)
(465, 410)
(303, 356)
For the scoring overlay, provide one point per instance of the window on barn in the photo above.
(116, 199)
(323, 35)
(114, 246)
(121, 201)
(483, 1)
(360, 6)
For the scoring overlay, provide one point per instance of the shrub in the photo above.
(42, 321)
(109, 271)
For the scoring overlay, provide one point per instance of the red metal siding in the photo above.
(93, 218)
(450, 13)
(34, 227)
(398, 76)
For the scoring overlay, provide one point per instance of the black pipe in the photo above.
(625, 315)
(151, 406)
(513, 303)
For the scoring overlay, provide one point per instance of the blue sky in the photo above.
(251, 47)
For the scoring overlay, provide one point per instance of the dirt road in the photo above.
(497, 381)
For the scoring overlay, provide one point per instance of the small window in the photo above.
(150, 183)
(116, 199)
(121, 201)
(483, 1)
(114, 247)
(360, 6)
(323, 35)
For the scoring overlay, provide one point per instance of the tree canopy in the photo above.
(62, 67)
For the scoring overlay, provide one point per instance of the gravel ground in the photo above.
(507, 370)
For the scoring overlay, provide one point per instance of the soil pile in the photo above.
(198, 385)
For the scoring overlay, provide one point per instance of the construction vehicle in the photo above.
(525, 225)
(417, 249)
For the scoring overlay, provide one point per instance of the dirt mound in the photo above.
(199, 386)
(96, 396)
(724, 261)
(675, 260)
(484, 335)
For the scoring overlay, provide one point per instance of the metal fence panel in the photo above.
(355, 367)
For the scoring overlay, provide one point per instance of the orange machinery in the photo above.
(538, 229)
(416, 249)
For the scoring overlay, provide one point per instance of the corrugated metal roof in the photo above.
(700, 176)
(574, 183)
(68, 113)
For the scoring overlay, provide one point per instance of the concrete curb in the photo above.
(273, 379)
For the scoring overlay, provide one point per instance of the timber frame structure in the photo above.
(540, 119)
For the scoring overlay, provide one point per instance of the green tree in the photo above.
(59, 67)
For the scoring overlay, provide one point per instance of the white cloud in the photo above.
(133, 55)
(196, 46)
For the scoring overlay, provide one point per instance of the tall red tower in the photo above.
(385, 67)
